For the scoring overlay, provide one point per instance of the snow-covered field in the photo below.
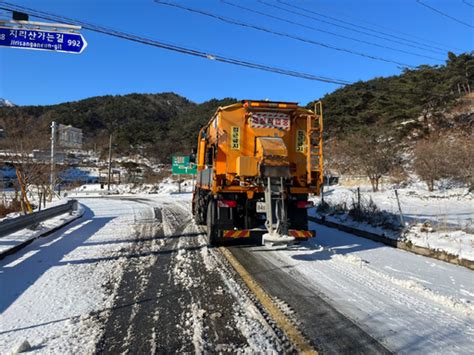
(439, 220)
(167, 186)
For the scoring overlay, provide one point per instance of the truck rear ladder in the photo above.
(314, 139)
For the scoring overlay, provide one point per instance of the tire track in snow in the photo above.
(123, 325)
(185, 299)
(220, 315)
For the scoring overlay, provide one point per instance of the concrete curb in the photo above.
(399, 244)
(23, 244)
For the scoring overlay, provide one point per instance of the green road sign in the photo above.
(181, 165)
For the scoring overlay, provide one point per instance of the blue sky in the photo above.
(116, 67)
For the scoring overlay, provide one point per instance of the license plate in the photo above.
(261, 207)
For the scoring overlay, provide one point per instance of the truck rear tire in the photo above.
(198, 214)
(198, 219)
(211, 223)
(200, 206)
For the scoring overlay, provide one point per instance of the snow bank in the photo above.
(457, 242)
(454, 207)
(25, 235)
(440, 221)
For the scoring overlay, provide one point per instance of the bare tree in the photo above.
(429, 160)
(370, 152)
(18, 148)
(459, 164)
(332, 158)
(445, 156)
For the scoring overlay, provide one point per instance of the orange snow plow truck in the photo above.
(257, 162)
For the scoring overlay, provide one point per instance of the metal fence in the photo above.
(13, 225)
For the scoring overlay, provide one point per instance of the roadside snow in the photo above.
(451, 207)
(440, 220)
(56, 201)
(54, 290)
(457, 243)
(24, 235)
(408, 302)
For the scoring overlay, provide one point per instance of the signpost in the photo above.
(182, 166)
(44, 40)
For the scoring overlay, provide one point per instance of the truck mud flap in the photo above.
(245, 236)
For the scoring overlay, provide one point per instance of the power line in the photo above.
(328, 32)
(281, 34)
(413, 44)
(446, 47)
(468, 3)
(168, 46)
(444, 14)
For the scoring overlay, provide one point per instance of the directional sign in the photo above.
(181, 165)
(25, 38)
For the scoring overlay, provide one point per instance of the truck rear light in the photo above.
(226, 203)
(304, 204)
(271, 104)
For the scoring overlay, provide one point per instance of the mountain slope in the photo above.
(5, 103)
(147, 123)
(408, 105)
(427, 91)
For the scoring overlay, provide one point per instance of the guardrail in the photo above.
(13, 225)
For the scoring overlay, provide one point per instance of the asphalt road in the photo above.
(328, 330)
(176, 295)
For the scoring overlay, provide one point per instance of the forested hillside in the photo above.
(408, 105)
(154, 124)
(387, 102)
(419, 123)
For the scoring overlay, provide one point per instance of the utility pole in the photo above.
(110, 162)
(53, 143)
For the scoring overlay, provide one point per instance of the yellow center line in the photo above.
(293, 334)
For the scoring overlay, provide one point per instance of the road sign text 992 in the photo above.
(74, 43)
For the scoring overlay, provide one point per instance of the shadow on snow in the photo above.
(16, 279)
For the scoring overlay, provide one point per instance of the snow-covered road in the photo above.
(408, 302)
(48, 298)
(133, 274)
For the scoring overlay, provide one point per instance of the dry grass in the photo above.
(9, 206)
